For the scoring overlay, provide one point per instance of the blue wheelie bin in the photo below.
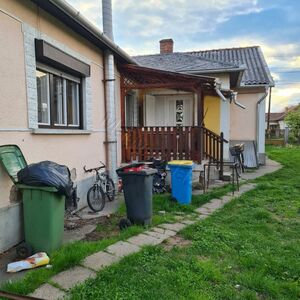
(181, 180)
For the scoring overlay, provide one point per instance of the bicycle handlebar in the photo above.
(94, 169)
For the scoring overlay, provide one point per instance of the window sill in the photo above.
(61, 131)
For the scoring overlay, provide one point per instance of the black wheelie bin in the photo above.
(137, 181)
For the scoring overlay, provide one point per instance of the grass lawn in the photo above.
(72, 254)
(248, 250)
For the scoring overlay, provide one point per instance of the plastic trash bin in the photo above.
(43, 207)
(43, 210)
(181, 180)
(137, 186)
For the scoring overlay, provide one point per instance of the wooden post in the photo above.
(200, 119)
(222, 156)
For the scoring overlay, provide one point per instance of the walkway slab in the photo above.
(213, 205)
(202, 210)
(188, 222)
(145, 240)
(173, 226)
(164, 231)
(49, 292)
(69, 278)
(99, 260)
(121, 249)
(157, 235)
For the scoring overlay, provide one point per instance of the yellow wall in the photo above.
(212, 110)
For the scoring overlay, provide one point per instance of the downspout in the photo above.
(258, 122)
(233, 97)
(109, 81)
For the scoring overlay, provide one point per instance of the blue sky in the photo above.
(207, 24)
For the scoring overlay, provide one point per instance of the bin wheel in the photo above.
(124, 223)
(24, 250)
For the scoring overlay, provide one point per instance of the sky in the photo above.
(210, 24)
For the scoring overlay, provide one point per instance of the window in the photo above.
(58, 99)
(179, 113)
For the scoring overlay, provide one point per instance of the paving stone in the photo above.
(213, 205)
(246, 187)
(173, 226)
(203, 210)
(164, 231)
(157, 235)
(122, 249)
(49, 292)
(188, 222)
(69, 278)
(144, 240)
(226, 199)
(202, 217)
(99, 260)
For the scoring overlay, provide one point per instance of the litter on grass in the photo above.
(34, 261)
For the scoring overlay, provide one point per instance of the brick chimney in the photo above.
(166, 46)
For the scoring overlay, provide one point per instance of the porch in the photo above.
(162, 116)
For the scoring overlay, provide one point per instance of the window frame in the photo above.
(51, 72)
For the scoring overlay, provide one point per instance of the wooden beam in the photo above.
(200, 108)
(122, 100)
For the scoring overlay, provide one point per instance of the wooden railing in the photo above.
(189, 142)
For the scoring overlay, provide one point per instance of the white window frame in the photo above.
(47, 69)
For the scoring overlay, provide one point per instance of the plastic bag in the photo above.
(34, 261)
(47, 173)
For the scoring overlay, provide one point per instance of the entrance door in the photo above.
(175, 110)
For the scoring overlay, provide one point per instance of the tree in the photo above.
(293, 121)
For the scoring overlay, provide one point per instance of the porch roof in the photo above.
(138, 77)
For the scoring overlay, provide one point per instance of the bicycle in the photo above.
(103, 188)
(237, 152)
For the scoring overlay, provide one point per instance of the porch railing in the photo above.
(189, 142)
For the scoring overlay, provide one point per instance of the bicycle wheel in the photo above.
(110, 189)
(96, 198)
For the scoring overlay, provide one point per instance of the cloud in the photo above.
(199, 25)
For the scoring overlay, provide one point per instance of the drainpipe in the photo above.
(109, 80)
(233, 97)
(258, 121)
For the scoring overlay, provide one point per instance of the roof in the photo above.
(140, 77)
(72, 18)
(274, 117)
(182, 62)
(249, 60)
(257, 71)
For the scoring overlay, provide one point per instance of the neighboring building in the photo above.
(241, 70)
(52, 95)
(276, 121)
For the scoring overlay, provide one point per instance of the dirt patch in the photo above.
(176, 241)
(107, 226)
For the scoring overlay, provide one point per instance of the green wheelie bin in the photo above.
(43, 208)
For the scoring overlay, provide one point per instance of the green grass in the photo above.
(164, 210)
(248, 250)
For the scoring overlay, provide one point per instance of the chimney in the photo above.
(166, 46)
(107, 19)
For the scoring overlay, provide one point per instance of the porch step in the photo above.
(227, 176)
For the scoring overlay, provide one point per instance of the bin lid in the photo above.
(12, 160)
(181, 162)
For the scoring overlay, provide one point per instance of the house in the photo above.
(235, 106)
(60, 92)
(276, 120)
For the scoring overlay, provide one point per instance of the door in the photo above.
(175, 110)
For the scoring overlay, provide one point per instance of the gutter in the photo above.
(77, 17)
(233, 96)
